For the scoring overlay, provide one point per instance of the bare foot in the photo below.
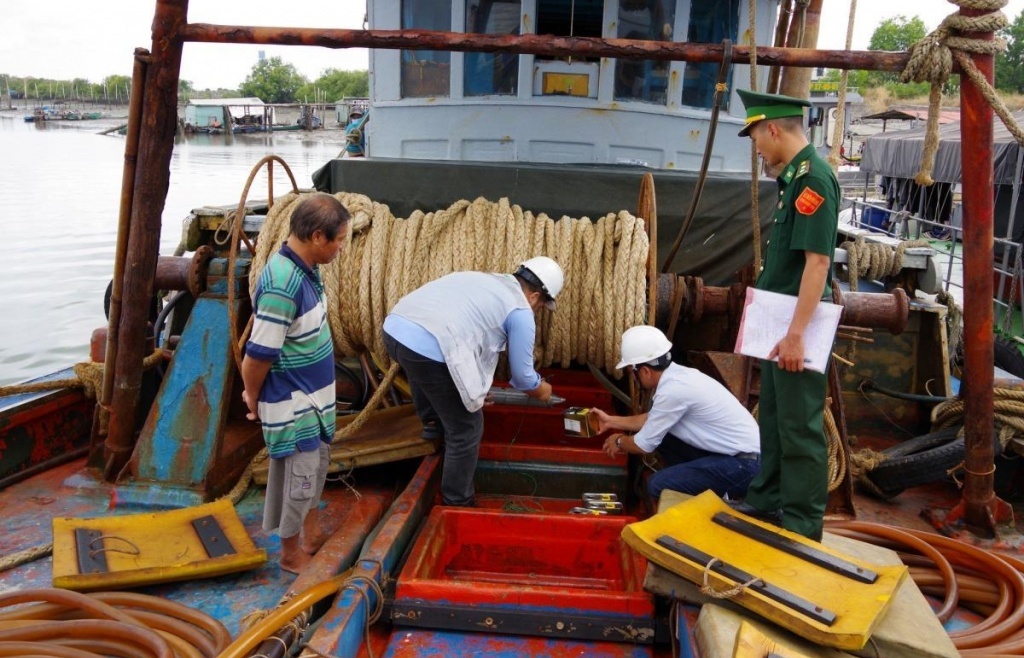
(295, 564)
(313, 543)
(293, 558)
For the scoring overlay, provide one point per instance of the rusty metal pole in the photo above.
(539, 44)
(980, 508)
(131, 151)
(156, 141)
(781, 32)
(796, 82)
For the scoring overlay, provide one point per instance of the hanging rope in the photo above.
(931, 60)
(88, 376)
(954, 320)
(604, 263)
(838, 132)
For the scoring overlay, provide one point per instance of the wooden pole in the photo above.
(156, 141)
(535, 44)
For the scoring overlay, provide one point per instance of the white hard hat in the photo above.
(643, 344)
(544, 273)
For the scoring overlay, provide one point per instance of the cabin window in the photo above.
(426, 72)
(492, 73)
(711, 21)
(570, 18)
(568, 76)
(646, 20)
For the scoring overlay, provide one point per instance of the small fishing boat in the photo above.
(602, 114)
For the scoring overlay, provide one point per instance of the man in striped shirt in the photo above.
(288, 373)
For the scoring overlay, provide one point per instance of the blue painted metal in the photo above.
(343, 628)
(181, 439)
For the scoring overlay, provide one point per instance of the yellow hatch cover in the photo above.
(142, 549)
(833, 609)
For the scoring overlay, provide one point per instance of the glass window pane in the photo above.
(645, 20)
(492, 73)
(426, 72)
(564, 18)
(710, 22)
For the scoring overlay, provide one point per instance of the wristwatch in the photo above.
(618, 442)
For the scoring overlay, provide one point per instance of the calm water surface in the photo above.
(58, 219)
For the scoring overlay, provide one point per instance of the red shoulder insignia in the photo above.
(808, 201)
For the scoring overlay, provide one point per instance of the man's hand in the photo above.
(790, 351)
(253, 406)
(603, 419)
(610, 446)
(542, 392)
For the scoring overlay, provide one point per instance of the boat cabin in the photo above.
(206, 113)
(524, 108)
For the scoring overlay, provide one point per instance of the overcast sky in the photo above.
(67, 39)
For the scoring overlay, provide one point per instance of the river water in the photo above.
(58, 222)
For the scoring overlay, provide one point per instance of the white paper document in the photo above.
(766, 318)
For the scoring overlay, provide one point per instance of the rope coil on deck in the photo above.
(604, 263)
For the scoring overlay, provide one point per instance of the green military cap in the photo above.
(769, 106)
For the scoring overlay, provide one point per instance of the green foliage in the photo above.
(896, 34)
(335, 84)
(1010, 62)
(273, 81)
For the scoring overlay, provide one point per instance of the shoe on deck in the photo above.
(774, 516)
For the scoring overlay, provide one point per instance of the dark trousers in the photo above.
(692, 470)
(794, 454)
(438, 400)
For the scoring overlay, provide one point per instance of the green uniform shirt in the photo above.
(805, 219)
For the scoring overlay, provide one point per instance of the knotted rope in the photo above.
(931, 60)
(707, 589)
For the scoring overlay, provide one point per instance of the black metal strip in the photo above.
(212, 535)
(803, 551)
(774, 592)
(431, 614)
(91, 557)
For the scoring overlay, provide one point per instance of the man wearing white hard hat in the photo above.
(706, 438)
(447, 335)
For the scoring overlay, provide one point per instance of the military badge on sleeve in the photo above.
(808, 201)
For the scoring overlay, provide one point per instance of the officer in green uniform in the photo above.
(792, 486)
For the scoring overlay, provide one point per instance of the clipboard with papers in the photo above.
(766, 319)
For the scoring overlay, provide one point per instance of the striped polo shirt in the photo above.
(297, 401)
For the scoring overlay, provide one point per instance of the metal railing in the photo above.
(1008, 268)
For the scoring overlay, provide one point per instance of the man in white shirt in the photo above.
(706, 438)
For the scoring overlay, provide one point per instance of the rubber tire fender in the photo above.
(920, 460)
(1007, 356)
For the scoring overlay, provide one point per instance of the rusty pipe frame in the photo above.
(131, 151)
(535, 44)
(864, 309)
(803, 32)
(149, 187)
(980, 507)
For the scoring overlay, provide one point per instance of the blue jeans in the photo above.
(693, 471)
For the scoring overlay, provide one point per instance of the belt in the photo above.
(747, 455)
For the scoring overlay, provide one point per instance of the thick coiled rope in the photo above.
(874, 260)
(604, 263)
(931, 60)
(1008, 414)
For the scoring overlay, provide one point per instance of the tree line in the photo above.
(271, 80)
(899, 33)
